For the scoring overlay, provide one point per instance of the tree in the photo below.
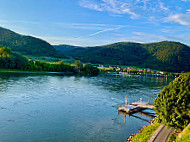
(152, 72)
(5, 52)
(124, 70)
(19, 61)
(133, 71)
(145, 71)
(90, 69)
(11, 60)
(79, 65)
(172, 103)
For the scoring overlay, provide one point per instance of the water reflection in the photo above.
(133, 86)
(71, 108)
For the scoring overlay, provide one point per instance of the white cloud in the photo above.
(85, 26)
(188, 11)
(134, 8)
(169, 30)
(153, 37)
(81, 26)
(127, 10)
(105, 30)
(143, 37)
(139, 37)
(114, 6)
(90, 5)
(163, 7)
(183, 19)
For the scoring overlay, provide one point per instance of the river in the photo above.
(46, 108)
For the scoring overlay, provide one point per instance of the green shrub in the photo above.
(146, 133)
(172, 103)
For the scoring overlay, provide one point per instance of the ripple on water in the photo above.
(53, 108)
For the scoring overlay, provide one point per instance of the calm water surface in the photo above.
(46, 108)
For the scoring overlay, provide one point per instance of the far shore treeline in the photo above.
(11, 60)
(167, 56)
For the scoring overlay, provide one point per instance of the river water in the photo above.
(46, 108)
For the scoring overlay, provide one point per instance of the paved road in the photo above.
(163, 135)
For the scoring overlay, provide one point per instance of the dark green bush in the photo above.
(172, 104)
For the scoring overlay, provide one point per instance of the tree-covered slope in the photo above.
(26, 44)
(171, 56)
(166, 56)
(118, 53)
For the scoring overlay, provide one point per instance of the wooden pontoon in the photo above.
(130, 109)
(142, 104)
(135, 106)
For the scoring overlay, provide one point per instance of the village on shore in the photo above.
(134, 70)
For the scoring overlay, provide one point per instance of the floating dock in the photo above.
(143, 105)
(135, 106)
(130, 109)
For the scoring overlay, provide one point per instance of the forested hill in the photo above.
(26, 45)
(165, 55)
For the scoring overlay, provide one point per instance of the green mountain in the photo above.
(27, 45)
(165, 55)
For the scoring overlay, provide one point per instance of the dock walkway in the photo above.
(130, 109)
(143, 105)
(133, 108)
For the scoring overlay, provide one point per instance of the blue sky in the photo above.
(98, 22)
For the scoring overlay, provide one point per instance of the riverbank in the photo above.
(145, 133)
(34, 72)
(159, 132)
(183, 136)
(44, 72)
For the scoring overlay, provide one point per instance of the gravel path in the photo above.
(162, 134)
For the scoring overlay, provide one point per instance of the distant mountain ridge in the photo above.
(165, 55)
(27, 45)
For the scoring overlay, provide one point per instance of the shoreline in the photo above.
(129, 139)
(151, 122)
(44, 72)
(37, 72)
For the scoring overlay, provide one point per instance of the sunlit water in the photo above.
(70, 108)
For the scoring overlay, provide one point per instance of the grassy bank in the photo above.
(184, 136)
(145, 134)
(50, 59)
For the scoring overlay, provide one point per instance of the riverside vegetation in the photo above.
(165, 56)
(146, 133)
(11, 60)
(173, 109)
(172, 103)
